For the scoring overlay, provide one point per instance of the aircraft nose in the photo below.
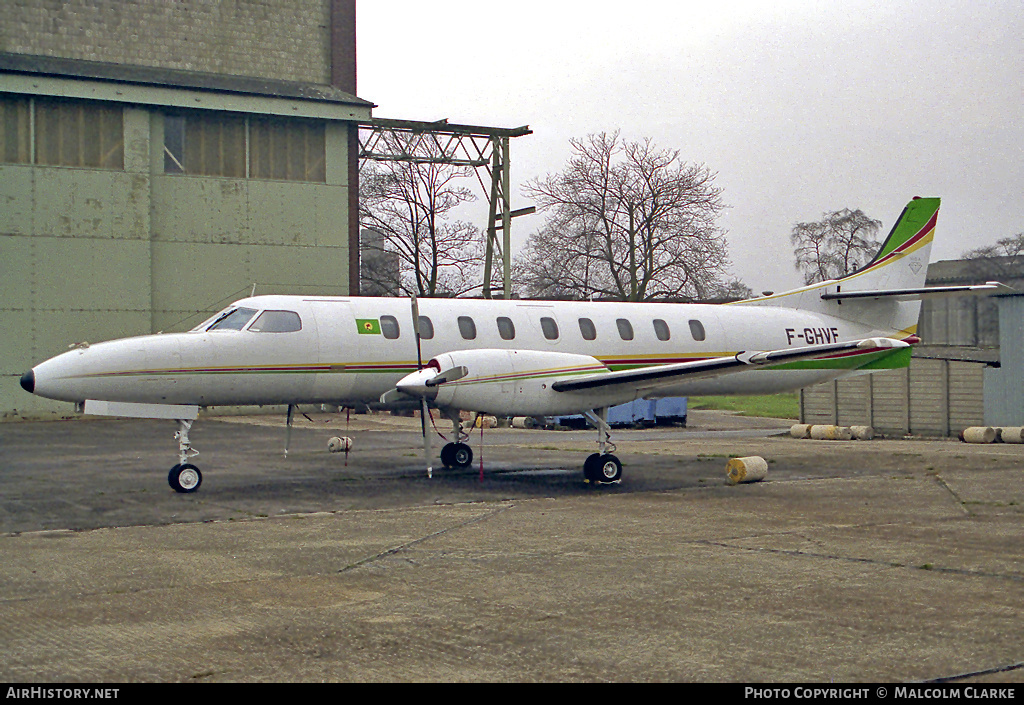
(28, 381)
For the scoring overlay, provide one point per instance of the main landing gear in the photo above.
(602, 468)
(458, 455)
(184, 477)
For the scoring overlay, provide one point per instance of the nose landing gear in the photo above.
(184, 477)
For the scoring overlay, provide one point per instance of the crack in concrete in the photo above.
(397, 549)
(867, 561)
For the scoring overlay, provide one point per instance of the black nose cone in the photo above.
(28, 381)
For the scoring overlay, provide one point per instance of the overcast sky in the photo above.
(801, 107)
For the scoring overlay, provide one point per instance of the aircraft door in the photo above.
(339, 352)
(544, 323)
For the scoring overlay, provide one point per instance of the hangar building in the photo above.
(159, 159)
(965, 372)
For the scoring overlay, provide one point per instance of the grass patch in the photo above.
(778, 406)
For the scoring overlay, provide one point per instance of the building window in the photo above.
(506, 329)
(79, 133)
(587, 329)
(550, 328)
(661, 329)
(217, 144)
(291, 150)
(467, 328)
(697, 331)
(389, 327)
(15, 130)
(625, 329)
(209, 144)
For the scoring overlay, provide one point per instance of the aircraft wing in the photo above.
(647, 378)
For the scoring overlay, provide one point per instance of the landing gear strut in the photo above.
(184, 477)
(602, 468)
(457, 455)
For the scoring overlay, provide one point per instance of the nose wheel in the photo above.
(457, 455)
(185, 478)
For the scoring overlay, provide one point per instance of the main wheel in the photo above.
(610, 469)
(185, 478)
(592, 467)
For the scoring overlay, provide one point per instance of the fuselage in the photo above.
(346, 351)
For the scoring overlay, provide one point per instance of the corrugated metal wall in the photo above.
(1004, 387)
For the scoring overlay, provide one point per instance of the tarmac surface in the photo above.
(872, 561)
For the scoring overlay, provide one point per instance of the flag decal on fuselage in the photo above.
(368, 326)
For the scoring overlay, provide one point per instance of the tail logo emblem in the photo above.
(915, 265)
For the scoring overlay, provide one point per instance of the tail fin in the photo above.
(901, 263)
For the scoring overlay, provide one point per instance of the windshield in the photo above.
(232, 319)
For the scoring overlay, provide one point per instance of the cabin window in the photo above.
(506, 328)
(587, 329)
(467, 328)
(277, 322)
(697, 331)
(389, 327)
(235, 319)
(661, 329)
(625, 329)
(426, 328)
(550, 328)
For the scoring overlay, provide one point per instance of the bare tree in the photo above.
(626, 221)
(1002, 261)
(837, 245)
(408, 203)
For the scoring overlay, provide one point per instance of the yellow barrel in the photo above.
(339, 445)
(862, 433)
(739, 470)
(1012, 434)
(831, 433)
(978, 434)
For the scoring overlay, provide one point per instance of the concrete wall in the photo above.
(97, 254)
(930, 398)
(281, 39)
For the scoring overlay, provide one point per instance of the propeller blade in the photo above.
(449, 375)
(424, 412)
(288, 429)
(424, 409)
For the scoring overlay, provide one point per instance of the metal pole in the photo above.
(491, 214)
(506, 218)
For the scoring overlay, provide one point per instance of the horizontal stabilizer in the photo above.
(664, 375)
(929, 292)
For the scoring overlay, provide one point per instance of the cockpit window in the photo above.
(234, 319)
(277, 322)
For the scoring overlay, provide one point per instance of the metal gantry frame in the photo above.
(386, 140)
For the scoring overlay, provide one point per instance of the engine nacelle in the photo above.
(516, 382)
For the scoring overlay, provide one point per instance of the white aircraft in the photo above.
(507, 358)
